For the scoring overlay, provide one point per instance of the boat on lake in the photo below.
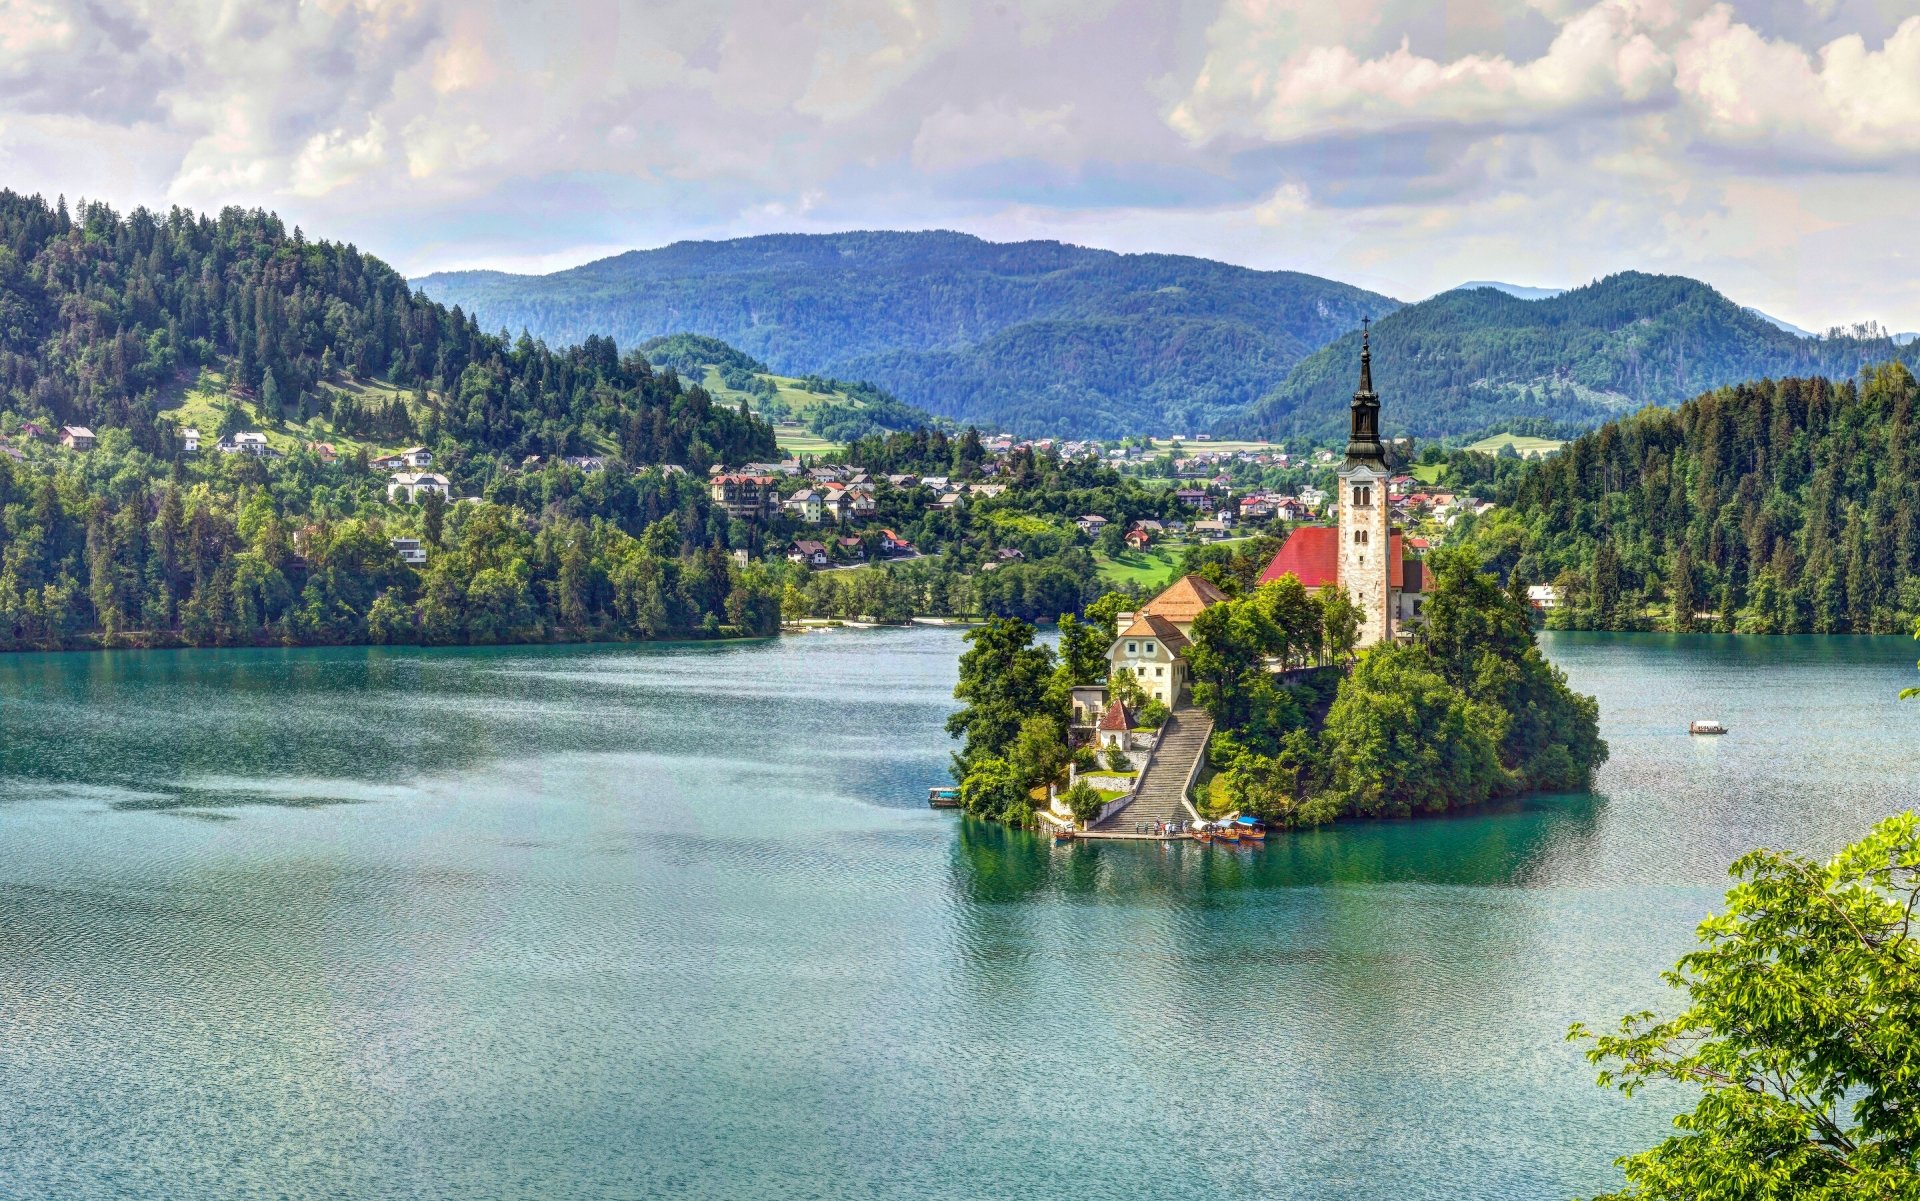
(1251, 829)
(947, 797)
(1706, 727)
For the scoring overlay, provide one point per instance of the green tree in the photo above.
(1798, 1035)
(1083, 654)
(1084, 801)
(1003, 682)
(1402, 740)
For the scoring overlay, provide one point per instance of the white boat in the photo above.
(1706, 727)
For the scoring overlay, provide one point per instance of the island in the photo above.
(1346, 679)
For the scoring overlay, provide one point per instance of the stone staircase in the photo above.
(1161, 796)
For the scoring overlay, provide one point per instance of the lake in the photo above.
(674, 922)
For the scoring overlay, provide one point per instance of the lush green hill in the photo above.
(1785, 506)
(1468, 359)
(829, 410)
(1039, 337)
(142, 324)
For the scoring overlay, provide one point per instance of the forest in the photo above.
(1464, 361)
(1774, 507)
(105, 319)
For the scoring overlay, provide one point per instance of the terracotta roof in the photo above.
(1152, 625)
(1184, 599)
(1312, 554)
(1116, 718)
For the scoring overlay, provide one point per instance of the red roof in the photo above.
(1116, 718)
(1312, 553)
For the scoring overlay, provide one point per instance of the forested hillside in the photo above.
(111, 321)
(836, 410)
(1771, 507)
(1037, 337)
(1470, 359)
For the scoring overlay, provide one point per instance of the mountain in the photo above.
(1791, 328)
(1463, 361)
(1036, 337)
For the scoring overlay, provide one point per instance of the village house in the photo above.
(415, 485)
(1115, 728)
(1006, 554)
(808, 553)
(807, 505)
(893, 544)
(746, 497)
(414, 457)
(1213, 529)
(411, 551)
(245, 442)
(1091, 523)
(1138, 539)
(76, 437)
(1150, 648)
(1544, 597)
(190, 440)
(324, 451)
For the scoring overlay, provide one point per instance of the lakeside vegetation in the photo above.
(1775, 507)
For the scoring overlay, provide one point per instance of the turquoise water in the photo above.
(673, 922)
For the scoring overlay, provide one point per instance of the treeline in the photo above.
(103, 317)
(117, 548)
(1776, 507)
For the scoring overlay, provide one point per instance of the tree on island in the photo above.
(1801, 1035)
(1014, 720)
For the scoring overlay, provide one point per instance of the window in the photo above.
(1360, 537)
(1143, 669)
(1362, 495)
(1149, 648)
(1133, 648)
(1159, 671)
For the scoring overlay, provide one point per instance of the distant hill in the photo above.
(1517, 291)
(1036, 337)
(835, 410)
(1463, 361)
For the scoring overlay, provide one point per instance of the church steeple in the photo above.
(1363, 435)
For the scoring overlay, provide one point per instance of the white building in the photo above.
(245, 442)
(410, 551)
(416, 484)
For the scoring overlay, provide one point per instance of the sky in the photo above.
(1770, 147)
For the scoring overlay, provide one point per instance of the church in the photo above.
(1363, 553)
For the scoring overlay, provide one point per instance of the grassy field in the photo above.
(203, 403)
(800, 442)
(1151, 568)
(1527, 447)
(1429, 473)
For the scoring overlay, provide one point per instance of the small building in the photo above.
(808, 505)
(415, 457)
(415, 485)
(246, 442)
(1115, 728)
(893, 544)
(1213, 529)
(76, 437)
(324, 451)
(1544, 597)
(1091, 523)
(411, 551)
(808, 554)
(1138, 539)
(190, 440)
(1088, 702)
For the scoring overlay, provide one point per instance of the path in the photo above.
(1162, 794)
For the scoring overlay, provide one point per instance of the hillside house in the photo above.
(76, 437)
(746, 497)
(1138, 539)
(245, 442)
(415, 486)
(411, 551)
(190, 440)
(1544, 597)
(807, 505)
(1091, 524)
(808, 554)
(414, 458)
(893, 544)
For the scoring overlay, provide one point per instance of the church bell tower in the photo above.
(1366, 523)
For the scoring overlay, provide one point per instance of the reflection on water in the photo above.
(673, 922)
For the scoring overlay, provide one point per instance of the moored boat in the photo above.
(943, 798)
(1251, 829)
